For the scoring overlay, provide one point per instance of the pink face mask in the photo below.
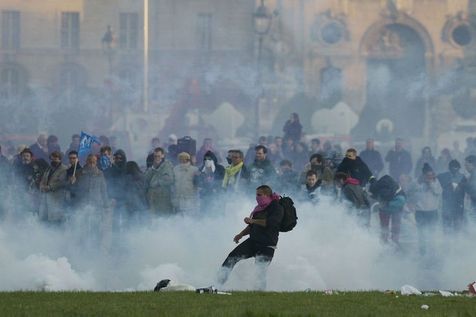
(263, 201)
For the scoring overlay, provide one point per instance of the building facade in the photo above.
(391, 63)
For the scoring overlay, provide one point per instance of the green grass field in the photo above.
(238, 304)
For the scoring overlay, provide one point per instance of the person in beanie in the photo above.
(262, 226)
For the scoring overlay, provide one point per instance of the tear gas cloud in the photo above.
(326, 250)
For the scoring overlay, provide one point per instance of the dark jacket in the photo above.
(135, 195)
(292, 130)
(23, 174)
(116, 179)
(38, 153)
(288, 182)
(399, 162)
(267, 236)
(470, 188)
(453, 186)
(261, 172)
(374, 161)
(356, 169)
(210, 182)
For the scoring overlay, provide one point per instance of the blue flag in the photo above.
(85, 143)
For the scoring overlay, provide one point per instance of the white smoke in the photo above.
(327, 250)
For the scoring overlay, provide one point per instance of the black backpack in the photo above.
(290, 217)
(385, 188)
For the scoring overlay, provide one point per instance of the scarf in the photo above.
(352, 181)
(230, 173)
(263, 203)
(208, 165)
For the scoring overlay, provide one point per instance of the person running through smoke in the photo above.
(263, 228)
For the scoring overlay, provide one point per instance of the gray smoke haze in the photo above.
(327, 250)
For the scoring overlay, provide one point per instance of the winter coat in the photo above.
(292, 130)
(116, 180)
(23, 175)
(311, 194)
(267, 236)
(470, 188)
(389, 194)
(356, 169)
(288, 182)
(453, 192)
(52, 202)
(185, 197)
(399, 162)
(38, 152)
(261, 172)
(91, 188)
(158, 183)
(374, 161)
(135, 195)
(210, 181)
(427, 196)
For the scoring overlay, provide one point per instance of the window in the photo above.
(70, 30)
(128, 30)
(331, 85)
(10, 82)
(205, 31)
(10, 30)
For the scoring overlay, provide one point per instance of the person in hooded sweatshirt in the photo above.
(210, 181)
(353, 166)
(262, 226)
(353, 193)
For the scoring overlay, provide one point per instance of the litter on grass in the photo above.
(446, 293)
(409, 290)
(472, 288)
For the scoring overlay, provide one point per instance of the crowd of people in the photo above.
(109, 190)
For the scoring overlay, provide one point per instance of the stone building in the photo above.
(393, 63)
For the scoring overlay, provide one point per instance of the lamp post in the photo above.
(261, 25)
(146, 57)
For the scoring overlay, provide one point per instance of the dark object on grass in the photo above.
(161, 284)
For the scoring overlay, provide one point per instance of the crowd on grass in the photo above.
(53, 186)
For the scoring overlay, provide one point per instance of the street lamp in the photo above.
(261, 24)
(146, 57)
